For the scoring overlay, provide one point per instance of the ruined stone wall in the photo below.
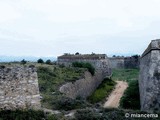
(117, 63)
(83, 87)
(149, 78)
(124, 62)
(101, 64)
(86, 86)
(19, 88)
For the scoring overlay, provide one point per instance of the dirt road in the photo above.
(115, 96)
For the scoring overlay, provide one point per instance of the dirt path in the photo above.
(115, 96)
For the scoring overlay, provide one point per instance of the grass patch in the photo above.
(102, 91)
(51, 78)
(131, 98)
(125, 74)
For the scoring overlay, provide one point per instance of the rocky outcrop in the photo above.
(19, 88)
(149, 78)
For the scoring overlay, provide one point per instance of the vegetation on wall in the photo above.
(51, 78)
(90, 68)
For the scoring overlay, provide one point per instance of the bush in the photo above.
(131, 98)
(90, 68)
(108, 114)
(21, 115)
(87, 114)
(23, 61)
(40, 61)
(48, 62)
(65, 103)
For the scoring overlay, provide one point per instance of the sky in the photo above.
(55, 27)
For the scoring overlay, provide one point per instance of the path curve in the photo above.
(115, 96)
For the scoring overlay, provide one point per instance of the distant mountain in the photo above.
(27, 58)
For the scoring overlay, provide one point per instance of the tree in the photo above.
(48, 62)
(23, 61)
(77, 53)
(40, 61)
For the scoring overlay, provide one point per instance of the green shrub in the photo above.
(49, 62)
(108, 114)
(90, 68)
(22, 115)
(40, 61)
(131, 98)
(23, 61)
(65, 103)
(87, 114)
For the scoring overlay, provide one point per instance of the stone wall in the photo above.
(19, 88)
(124, 62)
(117, 62)
(86, 86)
(149, 78)
(99, 64)
(83, 87)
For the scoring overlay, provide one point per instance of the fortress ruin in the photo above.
(149, 78)
(124, 62)
(99, 61)
(86, 86)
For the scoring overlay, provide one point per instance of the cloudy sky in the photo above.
(54, 27)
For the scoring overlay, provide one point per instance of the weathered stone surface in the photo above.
(82, 87)
(19, 88)
(117, 62)
(124, 62)
(149, 78)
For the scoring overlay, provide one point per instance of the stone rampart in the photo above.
(83, 87)
(149, 78)
(86, 86)
(19, 88)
